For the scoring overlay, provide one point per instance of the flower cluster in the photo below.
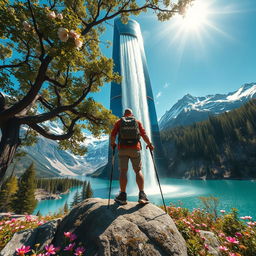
(52, 250)
(235, 237)
(63, 33)
(9, 225)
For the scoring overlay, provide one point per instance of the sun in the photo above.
(196, 16)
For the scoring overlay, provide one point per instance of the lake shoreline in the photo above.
(42, 194)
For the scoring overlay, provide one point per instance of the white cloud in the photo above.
(166, 85)
(159, 94)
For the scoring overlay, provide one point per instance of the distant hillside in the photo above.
(190, 109)
(224, 146)
(50, 161)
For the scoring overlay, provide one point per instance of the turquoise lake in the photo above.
(185, 193)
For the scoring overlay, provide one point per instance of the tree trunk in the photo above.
(8, 144)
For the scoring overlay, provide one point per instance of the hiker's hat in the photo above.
(128, 111)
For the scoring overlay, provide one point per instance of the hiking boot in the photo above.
(143, 198)
(121, 198)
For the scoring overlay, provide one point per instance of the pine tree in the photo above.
(65, 208)
(89, 192)
(7, 192)
(76, 199)
(25, 201)
(83, 193)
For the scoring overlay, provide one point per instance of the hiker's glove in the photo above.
(150, 146)
(113, 145)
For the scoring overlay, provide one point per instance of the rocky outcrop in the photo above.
(42, 235)
(126, 230)
(131, 229)
(212, 241)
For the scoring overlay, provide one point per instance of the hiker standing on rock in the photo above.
(129, 131)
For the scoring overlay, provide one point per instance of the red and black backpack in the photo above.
(129, 133)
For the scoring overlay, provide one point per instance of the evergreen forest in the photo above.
(60, 185)
(224, 146)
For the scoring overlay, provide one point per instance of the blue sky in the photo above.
(218, 56)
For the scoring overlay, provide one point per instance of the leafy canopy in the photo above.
(50, 59)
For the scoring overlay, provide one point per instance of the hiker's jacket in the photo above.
(115, 131)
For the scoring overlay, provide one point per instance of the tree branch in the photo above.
(40, 36)
(52, 136)
(28, 99)
(53, 81)
(123, 10)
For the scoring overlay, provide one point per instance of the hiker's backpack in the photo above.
(129, 133)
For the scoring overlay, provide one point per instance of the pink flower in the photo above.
(246, 218)
(28, 217)
(67, 234)
(79, 251)
(222, 211)
(238, 234)
(223, 248)
(232, 240)
(63, 34)
(21, 251)
(51, 15)
(78, 43)
(251, 223)
(232, 254)
(41, 254)
(206, 246)
(73, 34)
(49, 250)
(203, 225)
(73, 237)
(70, 247)
(59, 16)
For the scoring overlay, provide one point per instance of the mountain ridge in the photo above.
(190, 109)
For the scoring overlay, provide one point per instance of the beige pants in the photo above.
(133, 154)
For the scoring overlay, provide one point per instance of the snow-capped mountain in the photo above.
(192, 109)
(51, 161)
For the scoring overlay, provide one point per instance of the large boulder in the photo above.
(131, 229)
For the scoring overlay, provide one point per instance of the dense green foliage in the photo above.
(76, 199)
(224, 140)
(57, 184)
(7, 191)
(51, 59)
(88, 191)
(24, 200)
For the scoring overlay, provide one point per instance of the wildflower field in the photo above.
(9, 226)
(236, 235)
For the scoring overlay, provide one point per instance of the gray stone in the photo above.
(212, 241)
(42, 235)
(125, 230)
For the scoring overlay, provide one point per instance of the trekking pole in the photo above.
(158, 179)
(111, 175)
